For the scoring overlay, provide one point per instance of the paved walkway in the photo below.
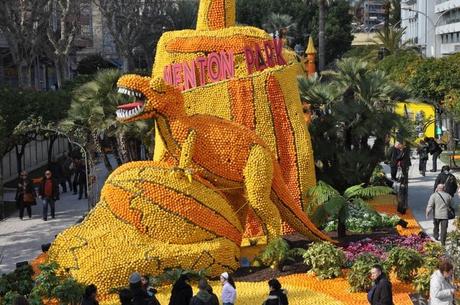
(21, 240)
(420, 189)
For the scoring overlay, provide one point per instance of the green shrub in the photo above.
(277, 253)
(9, 297)
(453, 247)
(422, 282)
(358, 278)
(47, 280)
(69, 291)
(325, 260)
(405, 262)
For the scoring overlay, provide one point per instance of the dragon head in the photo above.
(153, 98)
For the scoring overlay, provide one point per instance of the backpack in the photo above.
(272, 300)
(450, 185)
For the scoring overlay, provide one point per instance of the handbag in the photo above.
(28, 198)
(450, 210)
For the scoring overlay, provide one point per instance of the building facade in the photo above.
(432, 25)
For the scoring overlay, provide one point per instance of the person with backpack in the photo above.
(440, 203)
(276, 296)
(203, 297)
(448, 179)
(435, 150)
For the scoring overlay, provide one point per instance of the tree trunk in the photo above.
(24, 75)
(2, 202)
(128, 63)
(107, 163)
(115, 151)
(50, 148)
(58, 70)
(341, 225)
(321, 38)
(122, 147)
(19, 155)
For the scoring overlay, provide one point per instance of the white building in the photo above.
(432, 25)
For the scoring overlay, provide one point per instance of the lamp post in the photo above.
(426, 32)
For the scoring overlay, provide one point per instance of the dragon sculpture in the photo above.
(232, 158)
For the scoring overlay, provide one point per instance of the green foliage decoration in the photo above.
(358, 277)
(69, 291)
(278, 252)
(325, 260)
(9, 297)
(405, 263)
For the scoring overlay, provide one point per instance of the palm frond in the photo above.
(369, 192)
(321, 193)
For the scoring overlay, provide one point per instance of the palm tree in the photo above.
(280, 23)
(327, 201)
(390, 38)
(321, 35)
(352, 116)
(92, 113)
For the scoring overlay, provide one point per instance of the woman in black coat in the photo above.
(182, 292)
(277, 296)
(25, 195)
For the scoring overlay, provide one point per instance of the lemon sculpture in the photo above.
(233, 158)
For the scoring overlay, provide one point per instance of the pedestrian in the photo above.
(435, 150)
(439, 203)
(448, 179)
(395, 155)
(442, 289)
(66, 164)
(125, 296)
(182, 292)
(139, 295)
(213, 295)
(380, 293)
(228, 289)
(56, 168)
(203, 297)
(80, 173)
(423, 154)
(48, 192)
(25, 195)
(276, 296)
(89, 298)
(73, 168)
(151, 292)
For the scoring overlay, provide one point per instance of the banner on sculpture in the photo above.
(219, 66)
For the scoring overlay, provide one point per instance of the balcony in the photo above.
(448, 28)
(450, 48)
(443, 5)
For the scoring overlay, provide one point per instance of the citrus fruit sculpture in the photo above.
(232, 158)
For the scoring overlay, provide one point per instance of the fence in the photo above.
(35, 156)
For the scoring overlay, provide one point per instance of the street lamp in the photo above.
(426, 32)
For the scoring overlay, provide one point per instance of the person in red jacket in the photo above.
(48, 192)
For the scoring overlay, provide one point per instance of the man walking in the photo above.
(439, 203)
(435, 150)
(48, 192)
(448, 179)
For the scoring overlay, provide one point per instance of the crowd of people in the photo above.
(65, 173)
(140, 293)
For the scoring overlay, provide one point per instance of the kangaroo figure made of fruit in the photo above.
(225, 153)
